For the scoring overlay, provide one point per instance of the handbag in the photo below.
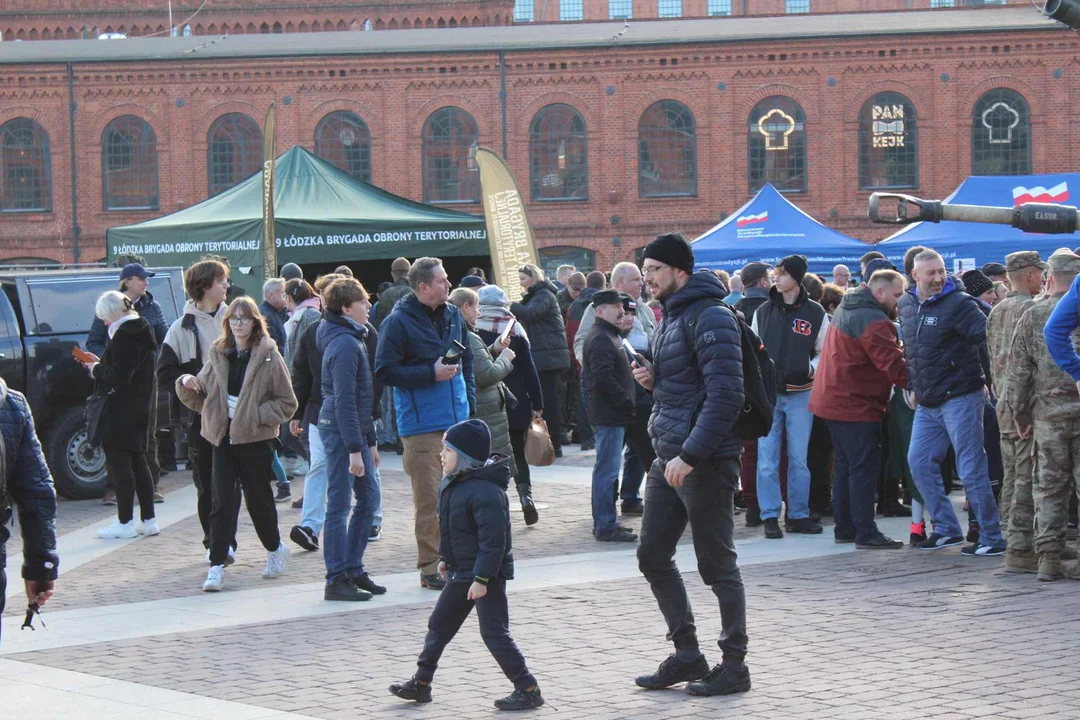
(539, 452)
(95, 410)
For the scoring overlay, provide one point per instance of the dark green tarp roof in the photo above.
(322, 215)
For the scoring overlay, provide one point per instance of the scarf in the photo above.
(495, 319)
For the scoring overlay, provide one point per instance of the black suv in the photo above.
(43, 315)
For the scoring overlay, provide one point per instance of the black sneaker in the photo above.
(879, 542)
(973, 532)
(412, 689)
(619, 535)
(343, 590)
(365, 583)
(432, 581)
(298, 503)
(284, 493)
(843, 540)
(635, 507)
(304, 537)
(672, 672)
(980, 550)
(937, 541)
(722, 680)
(804, 526)
(528, 507)
(753, 517)
(588, 445)
(772, 529)
(376, 534)
(521, 700)
(558, 451)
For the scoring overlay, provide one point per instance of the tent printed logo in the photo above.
(1000, 117)
(745, 220)
(1057, 194)
(776, 125)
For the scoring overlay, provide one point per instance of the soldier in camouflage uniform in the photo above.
(1025, 272)
(1046, 406)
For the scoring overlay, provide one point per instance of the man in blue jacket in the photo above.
(697, 384)
(1058, 331)
(944, 334)
(25, 482)
(424, 354)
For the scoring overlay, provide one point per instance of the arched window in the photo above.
(343, 138)
(558, 158)
(1001, 134)
(25, 167)
(552, 257)
(667, 150)
(888, 143)
(777, 145)
(129, 164)
(448, 134)
(235, 142)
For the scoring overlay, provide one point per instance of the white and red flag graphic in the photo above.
(751, 219)
(1056, 194)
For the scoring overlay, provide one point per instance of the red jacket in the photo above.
(860, 362)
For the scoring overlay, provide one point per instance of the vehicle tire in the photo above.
(78, 470)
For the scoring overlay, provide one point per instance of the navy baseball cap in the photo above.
(135, 270)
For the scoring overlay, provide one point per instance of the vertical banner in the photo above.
(510, 234)
(269, 241)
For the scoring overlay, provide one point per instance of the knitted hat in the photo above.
(493, 295)
(291, 271)
(472, 281)
(795, 266)
(996, 268)
(671, 249)
(975, 283)
(470, 439)
(877, 264)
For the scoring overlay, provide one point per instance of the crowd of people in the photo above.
(886, 387)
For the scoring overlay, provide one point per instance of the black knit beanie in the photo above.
(471, 439)
(671, 249)
(975, 283)
(795, 266)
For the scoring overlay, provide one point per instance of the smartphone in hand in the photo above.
(81, 355)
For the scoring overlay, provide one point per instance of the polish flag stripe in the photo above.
(751, 219)
(1056, 194)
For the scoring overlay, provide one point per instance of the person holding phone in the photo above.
(430, 395)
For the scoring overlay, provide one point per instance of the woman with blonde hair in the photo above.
(125, 376)
(244, 395)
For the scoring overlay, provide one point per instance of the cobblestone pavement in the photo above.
(834, 633)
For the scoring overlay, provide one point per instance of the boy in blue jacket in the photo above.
(474, 522)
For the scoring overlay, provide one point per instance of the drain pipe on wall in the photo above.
(75, 254)
(502, 97)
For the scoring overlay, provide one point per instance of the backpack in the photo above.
(759, 374)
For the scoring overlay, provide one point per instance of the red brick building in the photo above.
(671, 125)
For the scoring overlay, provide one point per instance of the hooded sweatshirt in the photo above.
(187, 343)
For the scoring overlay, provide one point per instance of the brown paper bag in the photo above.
(539, 452)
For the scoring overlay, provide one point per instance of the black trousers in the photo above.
(706, 501)
(819, 459)
(857, 450)
(131, 474)
(201, 457)
(3, 589)
(233, 468)
(523, 479)
(446, 619)
(553, 386)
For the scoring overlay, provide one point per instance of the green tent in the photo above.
(322, 215)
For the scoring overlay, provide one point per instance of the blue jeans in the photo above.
(960, 422)
(609, 444)
(343, 547)
(387, 433)
(314, 513)
(376, 519)
(279, 470)
(792, 414)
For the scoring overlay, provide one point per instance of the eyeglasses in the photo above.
(652, 269)
(240, 320)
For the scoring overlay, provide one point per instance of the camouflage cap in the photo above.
(1065, 261)
(1023, 259)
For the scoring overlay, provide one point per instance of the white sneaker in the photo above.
(147, 527)
(301, 467)
(118, 531)
(275, 562)
(228, 561)
(215, 579)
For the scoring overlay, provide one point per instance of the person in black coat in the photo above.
(539, 312)
(125, 375)
(26, 485)
(612, 403)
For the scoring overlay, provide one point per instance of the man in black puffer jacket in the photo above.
(697, 386)
(944, 335)
(26, 482)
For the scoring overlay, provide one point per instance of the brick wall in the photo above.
(942, 75)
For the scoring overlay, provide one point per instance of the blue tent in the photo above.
(771, 227)
(971, 245)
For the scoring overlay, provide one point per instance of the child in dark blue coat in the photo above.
(474, 524)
